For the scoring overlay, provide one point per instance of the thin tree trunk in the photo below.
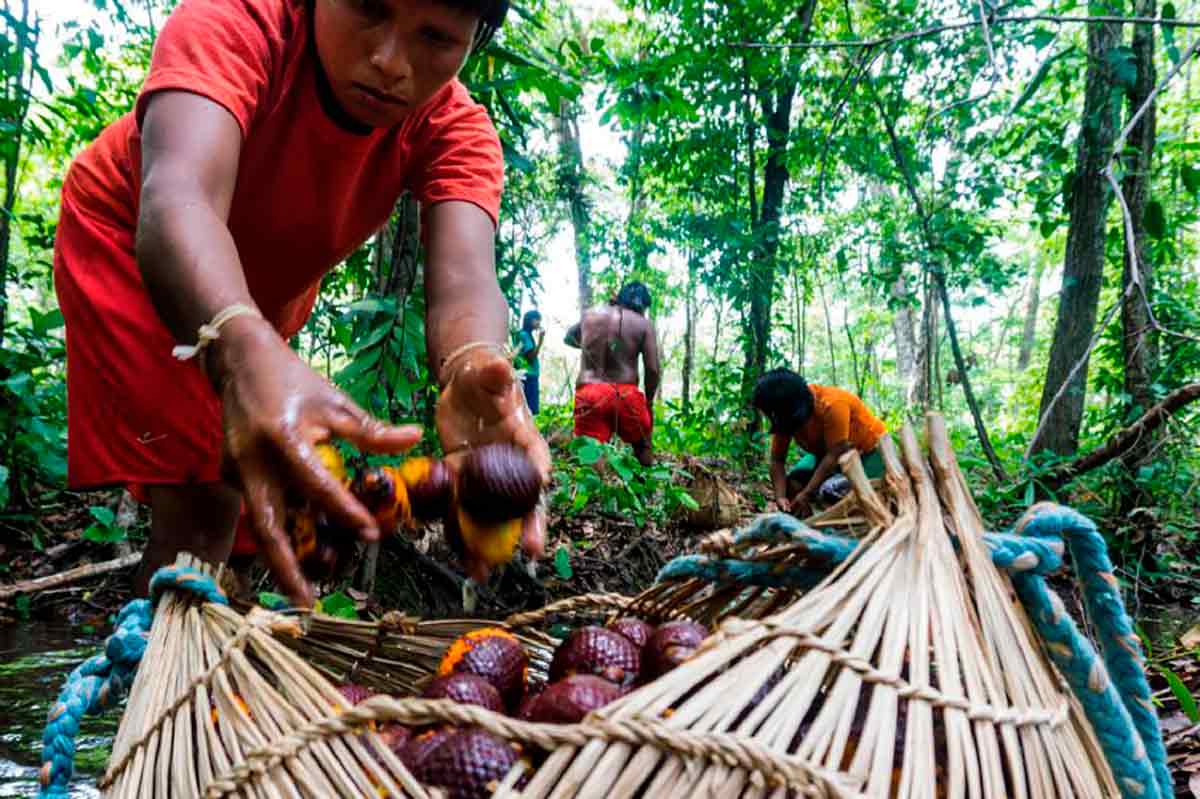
(939, 281)
(828, 331)
(1029, 334)
(1083, 266)
(571, 188)
(921, 387)
(689, 335)
(858, 383)
(798, 326)
(1138, 341)
(638, 251)
(906, 337)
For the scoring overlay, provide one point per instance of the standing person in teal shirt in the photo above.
(529, 348)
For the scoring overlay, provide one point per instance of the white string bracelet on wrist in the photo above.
(448, 374)
(212, 331)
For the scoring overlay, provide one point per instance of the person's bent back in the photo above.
(607, 399)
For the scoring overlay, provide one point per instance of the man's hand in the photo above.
(275, 410)
(783, 504)
(541, 336)
(802, 506)
(483, 404)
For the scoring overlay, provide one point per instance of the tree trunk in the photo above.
(1138, 341)
(689, 335)
(1029, 333)
(906, 337)
(920, 391)
(1083, 267)
(828, 332)
(775, 96)
(571, 188)
(634, 238)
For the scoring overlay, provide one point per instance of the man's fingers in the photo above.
(368, 434)
(328, 492)
(528, 438)
(267, 514)
(533, 534)
(496, 376)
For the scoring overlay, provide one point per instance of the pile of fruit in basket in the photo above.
(489, 667)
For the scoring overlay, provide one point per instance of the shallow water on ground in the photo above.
(35, 659)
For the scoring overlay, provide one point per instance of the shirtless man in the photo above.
(607, 399)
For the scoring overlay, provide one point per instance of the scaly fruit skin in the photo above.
(355, 693)
(469, 765)
(595, 650)
(496, 483)
(635, 630)
(525, 709)
(419, 748)
(493, 654)
(466, 689)
(672, 643)
(570, 699)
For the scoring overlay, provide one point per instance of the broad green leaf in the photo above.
(562, 563)
(102, 514)
(103, 534)
(272, 601)
(339, 605)
(1187, 702)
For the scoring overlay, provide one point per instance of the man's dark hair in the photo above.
(530, 318)
(634, 296)
(785, 399)
(491, 17)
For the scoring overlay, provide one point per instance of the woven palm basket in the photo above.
(876, 650)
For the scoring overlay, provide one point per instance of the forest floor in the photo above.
(604, 553)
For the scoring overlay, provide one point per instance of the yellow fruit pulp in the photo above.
(493, 545)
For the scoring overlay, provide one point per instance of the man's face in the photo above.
(385, 58)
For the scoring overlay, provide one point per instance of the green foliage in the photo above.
(608, 478)
(336, 604)
(103, 529)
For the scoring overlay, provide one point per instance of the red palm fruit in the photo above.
(382, 491)
(430, 485)
(419, 747)
(355, 693)
(466, 689)
(635, 630)
(493, 654)
(525, 709)
(570, 699)
(395, 736)
(497, 483)
(469, 765)
(595, 650)
(671, 644)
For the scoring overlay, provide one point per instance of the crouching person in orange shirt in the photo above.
(826, 422)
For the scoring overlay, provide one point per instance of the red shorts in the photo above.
(602, 409)
(135, 415)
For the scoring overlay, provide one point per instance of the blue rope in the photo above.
(1119, 710)
(1114, 627)
(103, 679)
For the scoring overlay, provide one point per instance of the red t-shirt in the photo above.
(308, 191)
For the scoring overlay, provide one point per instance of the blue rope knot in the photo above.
(103, 679)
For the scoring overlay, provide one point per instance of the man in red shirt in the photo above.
(271, 138)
